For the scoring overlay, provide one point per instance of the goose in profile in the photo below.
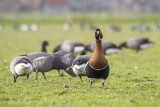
(44, 45)
(108, 48)
(79, 64)
(44, 62)
(137, 44)
(141, 28)
(65, 57)
(97, 67)
(21, 66)
(114, 28)
(71, 46)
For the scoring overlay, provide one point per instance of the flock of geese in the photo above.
(64, 58)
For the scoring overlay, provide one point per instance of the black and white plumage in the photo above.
(44, 45)
(44, 62)
(65, 57)
(71, 46)
(141, 28)
(79, 64)
(114, 28)
(21, 66)
(108, 48)
(137, 44)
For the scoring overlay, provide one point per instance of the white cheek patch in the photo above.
(98, 32)
(79, 69)
(23, 69)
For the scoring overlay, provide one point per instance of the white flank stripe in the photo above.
(79, 69)
(78, 49)
(146, 45)
(112, 50)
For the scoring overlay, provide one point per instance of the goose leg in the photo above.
(81, 78)
(59, 72)
(90, 83)
(44, 75)
(36, 74)
(103, 84)
(27, 78)
(15, 78)
(62, 74)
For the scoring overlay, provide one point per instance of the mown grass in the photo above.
(133, 81)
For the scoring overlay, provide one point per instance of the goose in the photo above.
(141, 28)
(65, 57)
(21, 66)
(113, 28)
(44, 62)
(24, 27)
(137, 44)
(1, 27)
(97, 67)
(67, 26)
(34, 27)
(44, 44)
(71, 46)
(108, 48)
(79, 64)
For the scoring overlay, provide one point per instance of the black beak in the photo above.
(70, 72)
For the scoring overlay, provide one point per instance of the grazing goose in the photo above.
(65, 57)
(71, 46)
(114, 28)
(44, 44)
(136, 43)
(141, 28)
(21, 66)
(34, 27)
(25, 27)
(79, 64)
(44, 62)
(67, 26)
(97, 67)
(108, 48)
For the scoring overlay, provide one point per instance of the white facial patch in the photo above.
(79, 69)
(112, 50)
(23, 69)
(98, 32)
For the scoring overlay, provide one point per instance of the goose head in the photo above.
(98, 34)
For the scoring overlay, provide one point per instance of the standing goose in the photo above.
(137, 43)
(97, 67)
(44, 44)
(65, 57)
(21, 66)
(79, 64)
(108, 48)
(44, 62)
(71, 46)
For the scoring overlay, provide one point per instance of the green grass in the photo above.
(125, 86)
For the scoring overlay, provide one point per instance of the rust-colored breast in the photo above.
(98, 60)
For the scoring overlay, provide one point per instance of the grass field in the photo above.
(134, 79)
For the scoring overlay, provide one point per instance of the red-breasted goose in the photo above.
(71, 46)
(97, 67)
(65, 57)
(137, 43)
(108, 48)
(44, 62)
(79, 64)
(21, 66)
